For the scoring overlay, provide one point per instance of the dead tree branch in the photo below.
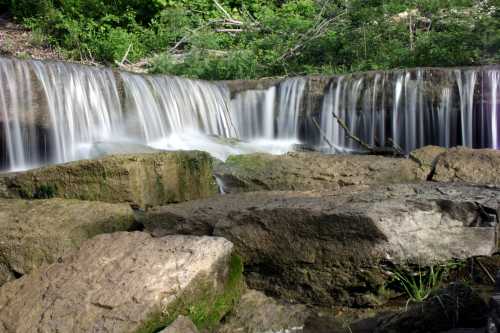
(350, 135)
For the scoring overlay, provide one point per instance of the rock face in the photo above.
(33, 233)
(257, 313)
(326, 248)
(314, 171)
(142, 179)
(479, 166)
(121, 282)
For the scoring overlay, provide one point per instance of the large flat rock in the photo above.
(314, 171)
(117, 283)
(142, 179)
(326, 247)
(478, 166)
(33, 233)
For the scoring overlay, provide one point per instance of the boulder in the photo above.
(181, 325)
(313, 171)
(33, 233)
(124, 282)
(257, 313)
(327, 247)
(142, 179)
(478, 166)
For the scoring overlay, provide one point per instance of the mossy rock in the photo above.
(141, 179)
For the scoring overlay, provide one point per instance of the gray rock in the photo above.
(258, 313)
(327, 247)
(181, 325)
(33, 233)
(116, 283)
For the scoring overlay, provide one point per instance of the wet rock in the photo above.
(142, 179)
(478, 166)
(181, 325)
(121, 282)
(258, 313)
(454, 307)
(327, 247)
(33, 233)
(313, 171)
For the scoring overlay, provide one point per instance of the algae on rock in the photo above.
(142, 179)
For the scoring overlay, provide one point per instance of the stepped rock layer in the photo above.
(314, 171)
(33, 233)
(327, 247)
(140, 179)
(117, 283)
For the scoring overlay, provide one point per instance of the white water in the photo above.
(59, 112)
(448, 109)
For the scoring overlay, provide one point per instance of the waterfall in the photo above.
(272, 113)
(440, 107)
(55, 112)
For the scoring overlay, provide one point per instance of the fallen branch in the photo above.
(121, 63)
(492, 279)
(350, 135)
(322, 133)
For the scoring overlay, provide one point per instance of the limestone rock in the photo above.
(258, 313)
(478, 166)
(120, 282)
(33, 233)
(181, 325)
(142, 179)
(326, 247)
(313, 171)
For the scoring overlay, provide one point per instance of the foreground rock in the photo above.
(181, 325)
(33, 233)
(142, 179)
(121, 282)
(479, 166)
(257, 313)
(327, 248)
(314, 171)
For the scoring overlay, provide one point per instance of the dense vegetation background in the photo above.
(242, 39)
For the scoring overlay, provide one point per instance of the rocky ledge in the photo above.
(334, 248)
(141, 179)
(125, 282)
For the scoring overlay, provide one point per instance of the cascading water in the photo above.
(413, 108)
(57, 112)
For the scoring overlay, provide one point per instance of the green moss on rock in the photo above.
(204, 304)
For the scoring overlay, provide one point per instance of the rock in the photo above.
(257, 313)
(455, 306)
(326, 247)
(478, 166)
(427, 157)
(181, 325)
(33, 233)
(124, 282)
(313, 171)
(142, 179)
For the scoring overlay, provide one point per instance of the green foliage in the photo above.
(274, 38)
(421, 284)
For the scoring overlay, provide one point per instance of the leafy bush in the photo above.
(270, 38)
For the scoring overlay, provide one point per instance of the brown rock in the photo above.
(141, 179)
(117, 282)
(33, 233)
(478, 166)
